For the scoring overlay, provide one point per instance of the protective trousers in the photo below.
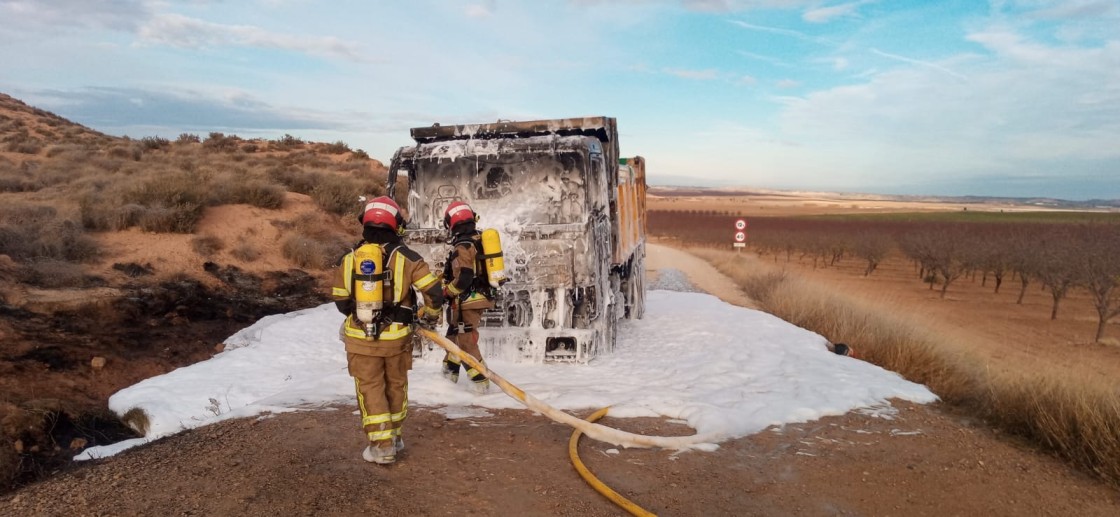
(467, 341)
(382, 387)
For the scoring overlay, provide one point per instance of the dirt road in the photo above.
(910, 460)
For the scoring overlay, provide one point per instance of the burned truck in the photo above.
(572, 219)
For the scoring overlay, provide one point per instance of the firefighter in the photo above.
(467, 291)
(378, 342)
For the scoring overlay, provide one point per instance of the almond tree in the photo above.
(1023, 260)
(949, 254)
(1099, 264)
(1057, 265)
(872, 247)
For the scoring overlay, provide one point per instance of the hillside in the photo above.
(123, 258)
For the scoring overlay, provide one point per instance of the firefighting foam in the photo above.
(720, 368)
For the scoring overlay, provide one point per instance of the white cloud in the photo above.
(786, 84)
(1078, 9)
(700, 75)
(826, 14)
(182, 31)
(780, 31)
(927, 64)
(118, 14)
(747, 80)
(480, 10)
(766, 59)
(839, 63)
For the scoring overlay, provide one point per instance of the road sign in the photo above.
(740, 244)
(740, 236)
(740, 224)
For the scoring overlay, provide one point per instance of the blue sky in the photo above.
(1010, 98)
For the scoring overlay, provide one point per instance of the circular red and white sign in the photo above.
(740, 236)
(740, 224)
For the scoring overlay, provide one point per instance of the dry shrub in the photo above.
(154, 143)
(174, 202)
(260, 194)
(1077, 418)
(179, 218)
(54, 274)
(207, 245)
(187, 138)
(245, 252)
(126, 152)
(314, 244)
(220, 142)
(28, 147)
(29, 232)
(73, 151)
(339, 195)
(106, 214)
(338, 147)
(297, 180)
(286, 143)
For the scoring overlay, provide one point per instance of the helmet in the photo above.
(383, 212)
(458, 212)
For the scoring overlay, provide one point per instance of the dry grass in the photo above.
(207, 245)
(245, 251)
(1075, 417)
(314, 244)
(30, 232)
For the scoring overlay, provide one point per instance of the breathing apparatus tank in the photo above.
(369, 286)
(492, 254)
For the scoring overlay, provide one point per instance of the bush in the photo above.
(245, 252)
(312, 253)
(338, 147)
(126, 152)
(31, 232)
(54, 274)
(207, 245)
(220, 142)
(260, 194)
(287, 142)
(31, 147)
(315, 244)
(188, 138)
(100, 214)
(154, 143)
(297, 180)
(339, 195)
(178, 218)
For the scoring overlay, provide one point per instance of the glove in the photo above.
(429, 316)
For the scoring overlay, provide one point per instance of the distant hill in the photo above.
(72, 195)
(1041, 202)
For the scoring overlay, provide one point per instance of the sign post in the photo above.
(740, 235)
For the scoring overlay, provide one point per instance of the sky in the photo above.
(724, 370)
(957, 97)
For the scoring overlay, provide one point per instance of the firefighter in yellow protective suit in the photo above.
(467, 291)
(379, 348)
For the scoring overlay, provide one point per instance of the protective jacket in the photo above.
(407, 270)
(464, 274)
(470, 294)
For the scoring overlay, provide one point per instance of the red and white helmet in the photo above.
(458, 212)
(384, 212)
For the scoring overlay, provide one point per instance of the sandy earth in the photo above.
(920, 460)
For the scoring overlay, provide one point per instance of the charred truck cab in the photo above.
(571, 215)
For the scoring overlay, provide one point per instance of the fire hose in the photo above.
(589, 427)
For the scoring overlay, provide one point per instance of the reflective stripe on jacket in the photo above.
(406, 269)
